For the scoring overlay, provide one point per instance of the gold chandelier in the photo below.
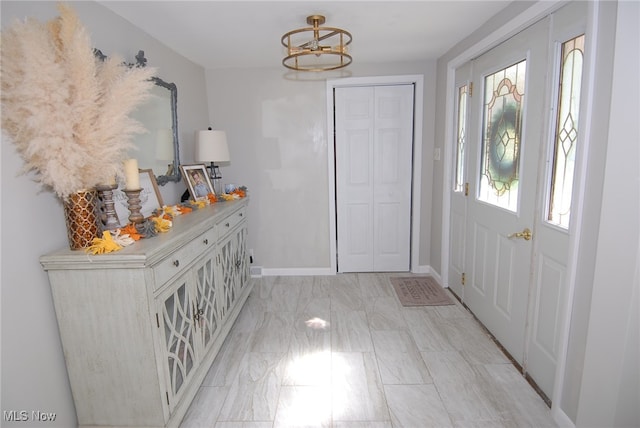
(306, 53)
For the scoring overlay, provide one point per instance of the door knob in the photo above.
(526, 234)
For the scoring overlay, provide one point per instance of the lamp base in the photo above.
(214, 171)
(217, 185)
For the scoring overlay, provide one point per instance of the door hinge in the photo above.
(157, 320)
(466, 189)
(470, 89)
(464, 278)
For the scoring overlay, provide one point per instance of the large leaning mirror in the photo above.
(158, 148)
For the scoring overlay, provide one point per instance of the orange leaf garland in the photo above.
(130, 230)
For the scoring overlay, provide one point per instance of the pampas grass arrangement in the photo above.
(66, 111)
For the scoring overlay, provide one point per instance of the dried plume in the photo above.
(66, 111)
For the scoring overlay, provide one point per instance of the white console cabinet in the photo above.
(141, 326)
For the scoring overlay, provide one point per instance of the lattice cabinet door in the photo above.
(227, 265)
(234, 267)
(242, 259)
(208, 308)
(177, 320)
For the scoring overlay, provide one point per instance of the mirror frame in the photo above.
(175, 170)
(141, 61)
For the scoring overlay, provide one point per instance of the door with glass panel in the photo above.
(504, 147)
(521, 150)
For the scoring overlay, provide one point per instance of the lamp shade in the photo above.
(211, 146)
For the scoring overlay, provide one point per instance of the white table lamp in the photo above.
(211, 146)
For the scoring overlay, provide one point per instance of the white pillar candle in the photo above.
(131, 174)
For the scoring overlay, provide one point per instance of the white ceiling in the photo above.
(241, 34)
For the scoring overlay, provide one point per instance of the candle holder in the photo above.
(108, 216)
(133, 199)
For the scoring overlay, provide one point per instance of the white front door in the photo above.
(504, 146)
(374, 141)
(521, 149)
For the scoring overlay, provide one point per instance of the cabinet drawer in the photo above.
(181, 258)
(227, 225)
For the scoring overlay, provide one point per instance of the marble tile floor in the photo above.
(340, 351)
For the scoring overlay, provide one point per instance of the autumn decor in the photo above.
(80, 216)
(66, 111)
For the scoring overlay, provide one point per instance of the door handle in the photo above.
(526, 234)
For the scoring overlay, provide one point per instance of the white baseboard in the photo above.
(422, 269)
(427, 269)
(437, 277)
(258, 271)
(561, 418)
(296, 271)
(255, 271)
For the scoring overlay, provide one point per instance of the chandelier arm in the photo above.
(319, 39)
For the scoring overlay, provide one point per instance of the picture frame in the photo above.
(197, 180)
(150, 197)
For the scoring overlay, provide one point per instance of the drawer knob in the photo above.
(176, 263)
(206, 242)
(226, 224)
(241, 214)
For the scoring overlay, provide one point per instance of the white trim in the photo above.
(296, 271)
(418, 81)
(561, 418)
(436, 276)
(425, 270)
(428, 270)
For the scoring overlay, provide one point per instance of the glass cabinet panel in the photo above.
(227, 269)
(179, 333)
(208, 312)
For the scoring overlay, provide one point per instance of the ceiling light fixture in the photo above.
(305, 52)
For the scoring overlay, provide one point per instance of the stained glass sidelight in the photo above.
(502, 128)
(461, 136)
(566, 135)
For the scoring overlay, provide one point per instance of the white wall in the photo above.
(276, 129)
(610, 390)
(33, 371)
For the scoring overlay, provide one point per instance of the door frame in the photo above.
(510, 28)
(418, 109)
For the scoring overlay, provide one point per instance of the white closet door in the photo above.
(374, 141)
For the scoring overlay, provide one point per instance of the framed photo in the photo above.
(150, 197)
(197, 180)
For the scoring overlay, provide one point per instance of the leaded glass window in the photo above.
(461, 136)
(566, 133)
(502, 131)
